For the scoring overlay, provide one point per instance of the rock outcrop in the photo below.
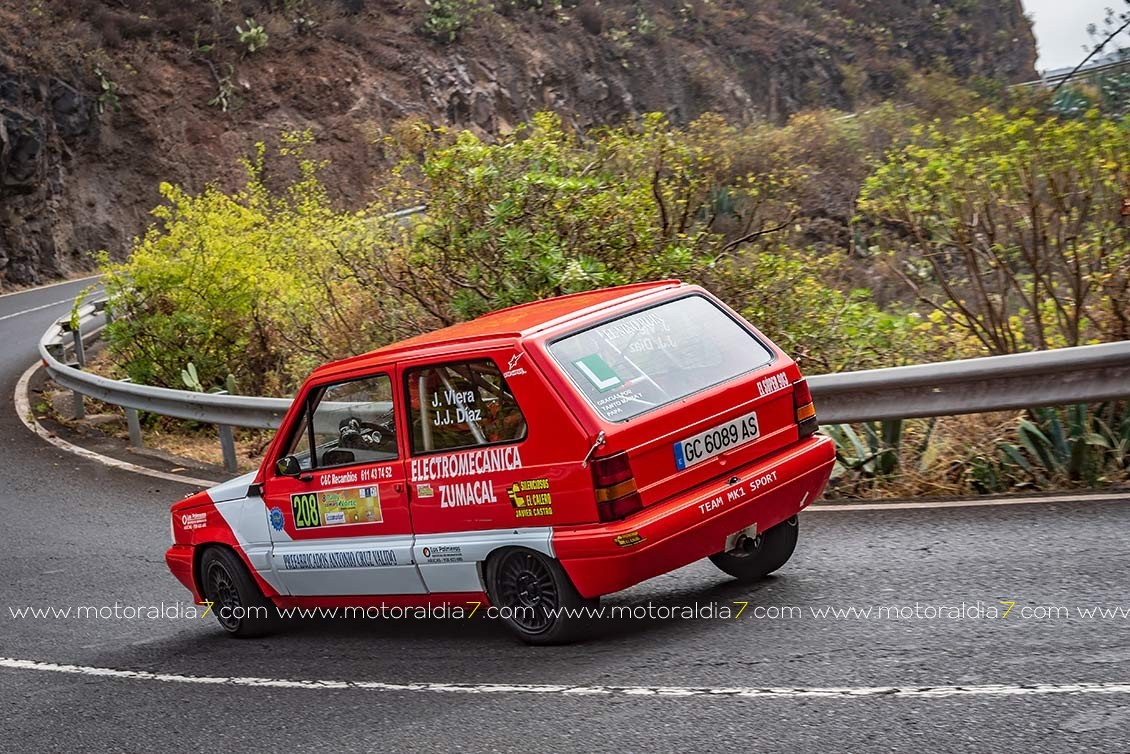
(77, 175)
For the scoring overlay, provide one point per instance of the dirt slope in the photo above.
(100, 101)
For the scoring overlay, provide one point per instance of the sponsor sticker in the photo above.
(629, 539)
(443, 554)
(467, 493)
(772, 383)
(425, 490)
(192, 521)
(354, 476)
(276, 518)
(351, 505)
(313, 561)
(531, 497)
(471, 463)
(512, 369)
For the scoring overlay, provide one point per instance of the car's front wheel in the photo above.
(535, 597)
(238, 604)
(762, 555)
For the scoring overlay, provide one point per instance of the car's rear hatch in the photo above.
(685, 388)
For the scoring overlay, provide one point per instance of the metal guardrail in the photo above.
(970, 386)
(1049, 80)
(225, 411)
(994, 383)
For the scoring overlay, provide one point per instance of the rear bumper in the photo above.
(669, 535)
(179, 559)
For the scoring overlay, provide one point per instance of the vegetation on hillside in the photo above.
(886, 238)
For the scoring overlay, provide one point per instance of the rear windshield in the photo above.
(658, 355)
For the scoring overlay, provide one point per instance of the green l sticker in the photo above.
(598, 372)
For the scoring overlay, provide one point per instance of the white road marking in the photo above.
(23, 410)
(49, 285)
(740, 692)
(974, 502)
(37, 308)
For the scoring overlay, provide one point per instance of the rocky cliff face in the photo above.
(78, 174)
(42, 123)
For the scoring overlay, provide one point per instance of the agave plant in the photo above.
(191, 380)
(877, 457)
(1077, 446)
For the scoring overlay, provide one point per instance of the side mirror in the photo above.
(288, 466)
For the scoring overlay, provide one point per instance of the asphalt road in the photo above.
(76, 533)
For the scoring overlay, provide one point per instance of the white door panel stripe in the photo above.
(348, 566)
(375, 565)
(247, 520)
(452, 562)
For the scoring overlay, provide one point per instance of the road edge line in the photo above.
(974, 502)
(679, 692)
(27, 416)
(49, 285)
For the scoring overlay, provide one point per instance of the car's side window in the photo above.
(352, 422)
(461, 405)
(299, 445)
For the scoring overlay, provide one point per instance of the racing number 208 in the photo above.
(305, 510)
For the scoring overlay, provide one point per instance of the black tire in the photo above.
(773, 550)
(238, 604)
(533, 594)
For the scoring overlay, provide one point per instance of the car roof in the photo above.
(512, 323)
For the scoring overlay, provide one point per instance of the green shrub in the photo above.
(547, 211)
(254, 37)
(245, 284)
(446, 19)
(1009, 226)
(264, 285)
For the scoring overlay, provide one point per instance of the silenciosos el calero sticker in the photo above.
(531, 497)
(353, 505)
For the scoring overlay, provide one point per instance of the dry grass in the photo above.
(933, 463)
(191, 441)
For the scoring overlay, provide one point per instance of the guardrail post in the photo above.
(227, 443)
(133, 424)
(78, 410)
(80, 352)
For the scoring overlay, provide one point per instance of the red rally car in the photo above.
(533, 459)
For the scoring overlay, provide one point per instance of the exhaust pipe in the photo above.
(748, 545)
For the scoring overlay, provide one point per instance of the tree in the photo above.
(1010, 226)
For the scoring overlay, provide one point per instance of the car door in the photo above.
(476, 480)
(338, 502)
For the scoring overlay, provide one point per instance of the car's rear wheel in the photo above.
(766, 553)
(535, 597)
(238, 604)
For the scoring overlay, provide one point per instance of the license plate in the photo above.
(716, 440)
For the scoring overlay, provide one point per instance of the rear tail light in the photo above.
(805, 410)
(615, 487)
